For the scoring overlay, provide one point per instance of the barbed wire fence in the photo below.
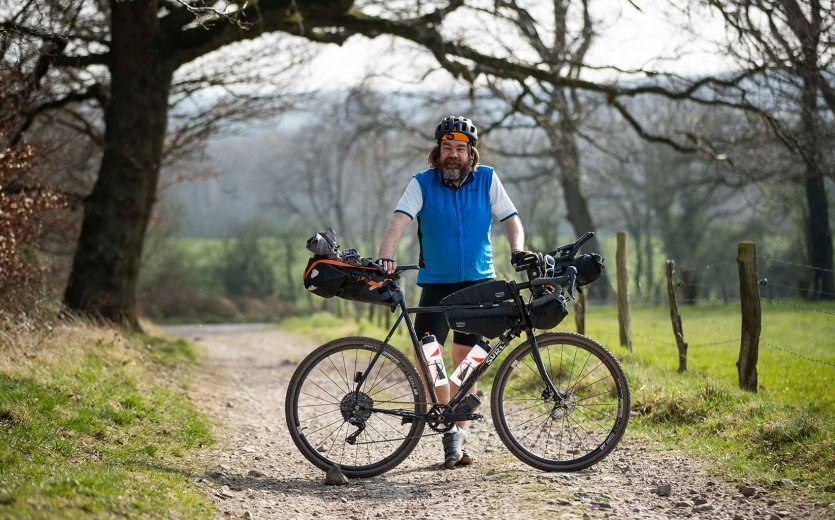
(722, 286)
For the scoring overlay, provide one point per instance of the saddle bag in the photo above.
(327, 278)
(494, 315)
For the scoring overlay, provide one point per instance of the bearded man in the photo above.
(454, 202)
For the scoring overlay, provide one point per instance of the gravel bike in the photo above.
(560, 401)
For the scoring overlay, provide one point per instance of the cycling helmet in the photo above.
(459, 124)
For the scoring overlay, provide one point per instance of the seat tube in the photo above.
(424, 369)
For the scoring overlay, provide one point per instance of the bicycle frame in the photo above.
(492, 355)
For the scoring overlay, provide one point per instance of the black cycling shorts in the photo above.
(435, 322)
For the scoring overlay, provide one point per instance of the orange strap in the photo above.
(343, 264)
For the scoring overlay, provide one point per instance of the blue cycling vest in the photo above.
(454, 228)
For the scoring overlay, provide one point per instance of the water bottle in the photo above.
(474, 358)
(434, 359)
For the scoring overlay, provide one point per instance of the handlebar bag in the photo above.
(589, 268)
(494, 316)
(328, 278)
(549, 314)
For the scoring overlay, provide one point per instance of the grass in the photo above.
(94, 422)
(785, 430)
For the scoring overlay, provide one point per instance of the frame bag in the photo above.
(494, 314)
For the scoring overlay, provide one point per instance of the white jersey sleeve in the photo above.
(500, 203)
(411, 202)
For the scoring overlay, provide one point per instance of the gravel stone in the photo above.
(244, 362)
(663, 490)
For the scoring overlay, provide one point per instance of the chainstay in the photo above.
(400, 439)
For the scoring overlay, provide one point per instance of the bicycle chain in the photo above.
(402, 438)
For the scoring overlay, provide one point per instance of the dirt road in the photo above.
(255, 470)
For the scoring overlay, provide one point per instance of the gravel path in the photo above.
(255, 471)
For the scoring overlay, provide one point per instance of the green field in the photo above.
(96, 423)
(786, 430)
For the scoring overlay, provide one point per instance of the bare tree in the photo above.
(122, 57)
(791, 46)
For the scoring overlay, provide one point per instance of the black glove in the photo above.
(386, 265)
(524, 260)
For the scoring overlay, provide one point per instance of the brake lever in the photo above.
(566, 281)
(572, 280)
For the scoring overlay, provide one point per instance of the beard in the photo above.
(454, 170)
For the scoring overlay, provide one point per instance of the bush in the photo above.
(244, 268)
(24, 207)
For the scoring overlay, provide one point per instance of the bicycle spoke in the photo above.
(323, 403)
(331, 380)
(537, 405)
(568, 427)
(590, 372)
(320, 415)
(317, 385)
(341, 375)
(332, 403)
(308, 434)
(368, 391)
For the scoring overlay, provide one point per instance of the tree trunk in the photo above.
(116, 214)
(576, 205)
(820, 234)
(639, 263)
(649, 256)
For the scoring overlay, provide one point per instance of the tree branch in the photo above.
(95, 91)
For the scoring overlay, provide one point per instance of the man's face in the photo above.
(455, 160)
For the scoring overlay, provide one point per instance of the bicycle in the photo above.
(560, 401)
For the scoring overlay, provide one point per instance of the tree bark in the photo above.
(819, 232)
(116, 214)
(576, 204)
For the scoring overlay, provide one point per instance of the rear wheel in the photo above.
(573, 428)
(331, 423)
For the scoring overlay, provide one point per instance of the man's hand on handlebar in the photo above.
(523, 260)
(387, 264)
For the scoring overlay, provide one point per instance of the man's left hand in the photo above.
(522, 260)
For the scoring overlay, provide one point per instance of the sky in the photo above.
(628, 38)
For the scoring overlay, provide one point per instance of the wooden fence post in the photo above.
(675, 317)
(623, 293)
(580, 312)
(751, 318)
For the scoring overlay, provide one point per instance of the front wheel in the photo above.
(574, 427)
(333, 422)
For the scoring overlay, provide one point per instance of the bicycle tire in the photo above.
(320, 398)
(583, 426)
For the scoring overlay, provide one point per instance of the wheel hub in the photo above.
(562, 404)
(356, 405)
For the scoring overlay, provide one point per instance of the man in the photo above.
(454, 202)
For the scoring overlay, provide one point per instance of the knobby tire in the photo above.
(320, 400)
